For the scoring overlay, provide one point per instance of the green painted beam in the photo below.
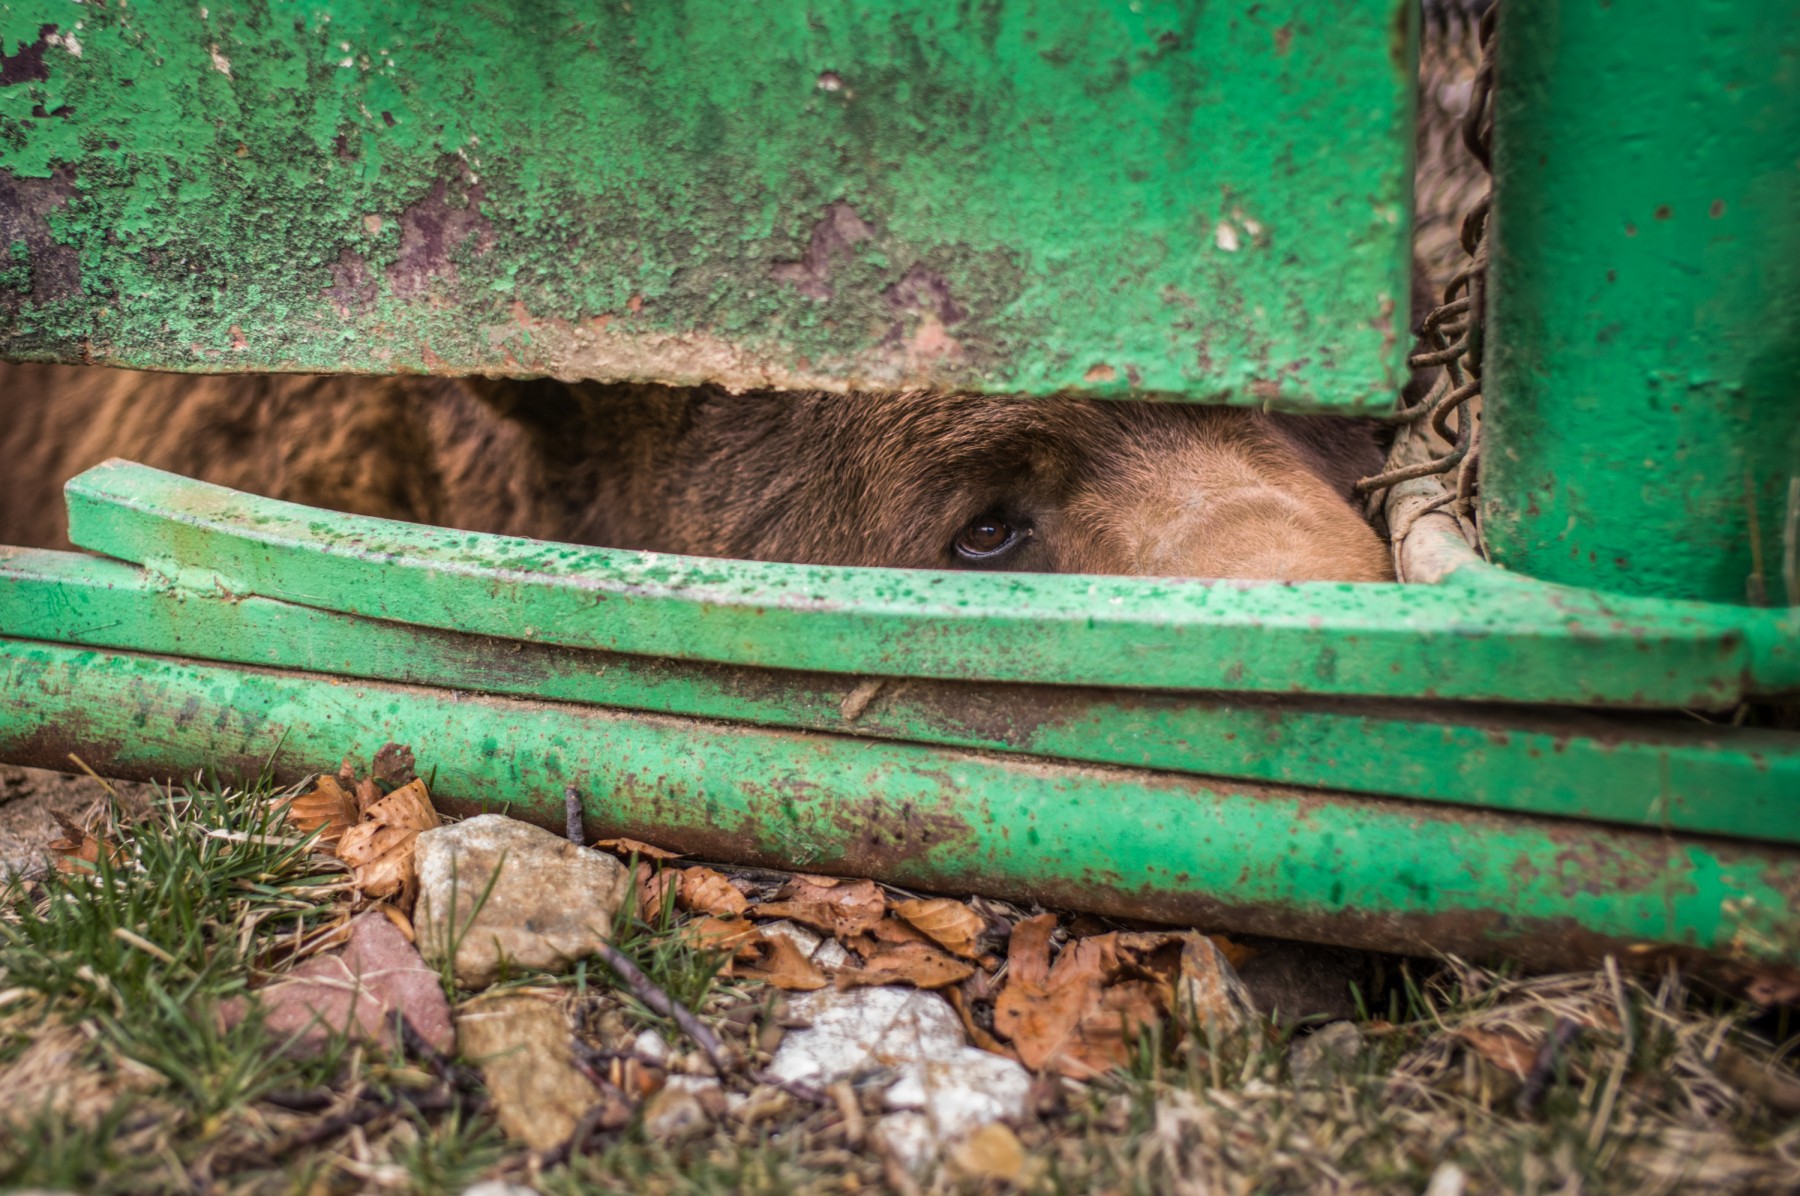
(1642, 423)
(1481, 635)
(1677, 775)
(1126, 197)
(1299, 863)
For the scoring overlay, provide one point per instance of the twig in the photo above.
(465, 1079)
(572, 817)
(658, 1001)
(1544, 1067)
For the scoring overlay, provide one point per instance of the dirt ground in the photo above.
(30, 801)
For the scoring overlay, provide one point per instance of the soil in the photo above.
(30, 800)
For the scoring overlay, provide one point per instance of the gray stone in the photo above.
(549, 902)
(1326, 1054)
(684, 1106)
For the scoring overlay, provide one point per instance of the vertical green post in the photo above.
(1643, 405)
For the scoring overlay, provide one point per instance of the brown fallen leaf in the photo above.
(738, 936)
(918, 964)
(327, 806)
(394, 764)
(839, 907)
(776, 959)
(78, 850)
(631, 847)
(368, 793)
(706, 891)
(950, 924)
(1081, 1015)
(655, 889)
(978, 1034)
(1502, 1048)
(379, 849)
(1028, 951)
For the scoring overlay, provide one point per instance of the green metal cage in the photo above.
(1536, 755)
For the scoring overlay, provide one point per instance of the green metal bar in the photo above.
(1119, 197)
(1306, 864)
(1642, 419)
(1677, 775)
(1479, 636)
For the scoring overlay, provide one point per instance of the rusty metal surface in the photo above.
(1675, 773)
(1125, 198)
(1369, 872)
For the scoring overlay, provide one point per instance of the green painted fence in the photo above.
(1130, 197)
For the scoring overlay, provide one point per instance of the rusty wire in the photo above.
(1450, 335)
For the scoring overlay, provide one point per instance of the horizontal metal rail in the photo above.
(1478, 635)
(1676, 774)
(1376, 873)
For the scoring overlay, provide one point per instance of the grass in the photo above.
(122, 1076)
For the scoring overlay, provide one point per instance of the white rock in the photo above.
(831, 956)
(550, 902)
(498, 1187)
(1447, 1180)
(943, 1089)
(804, 940)
(651, 1046)
(910, 1138)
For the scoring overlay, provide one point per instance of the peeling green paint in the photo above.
(1684, 776)
(1145, 197)
(1482, 635)
(1348, 870)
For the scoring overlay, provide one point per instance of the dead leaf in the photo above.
(394, 764)
(735, 935)
(379, 849)
(1028, 951)
(978, 1034)
(776, 959)
(1081, 1015)
(326, 806)
(840, 907)
(1502, 1048)
(892, 930)
(654, 890)
(631, 847)
(367, 794)
(77, 850)
(706, 891)
(917, 964)
(950, 924)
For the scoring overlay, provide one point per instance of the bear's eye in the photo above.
(986, 538)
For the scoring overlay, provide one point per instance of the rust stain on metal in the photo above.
(832, 239)
(25, 204)
(26, 65)
(354, 288)
(433, 229)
